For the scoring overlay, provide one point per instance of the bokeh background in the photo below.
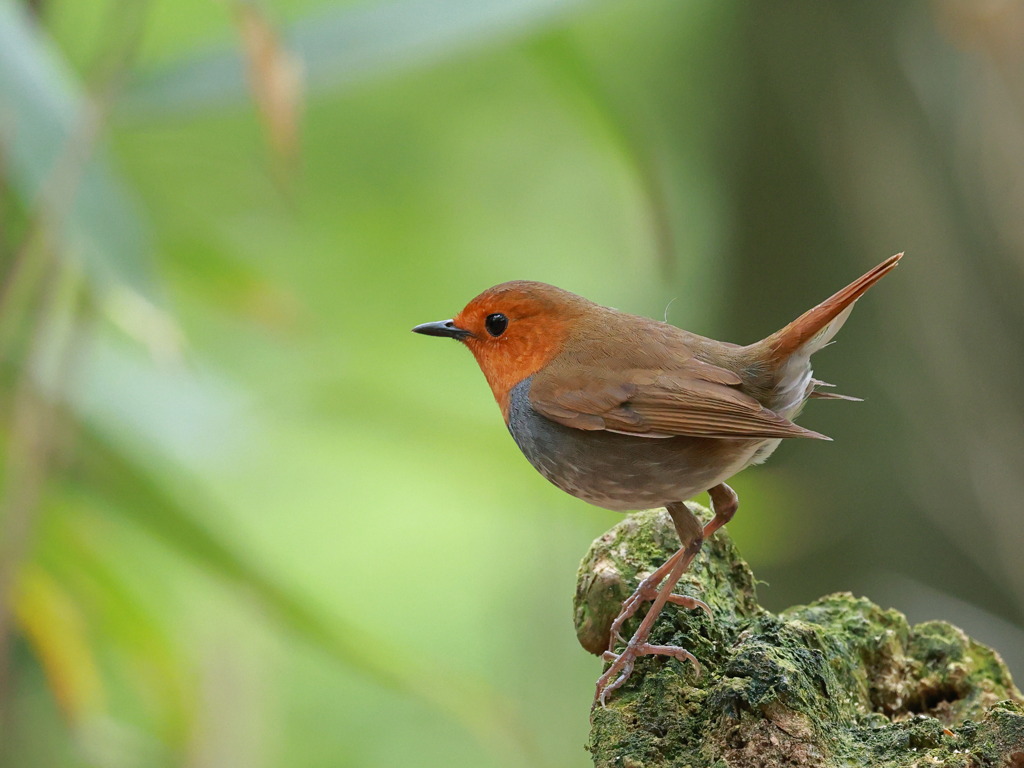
(248, 519)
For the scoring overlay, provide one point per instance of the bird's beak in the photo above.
(446, 328)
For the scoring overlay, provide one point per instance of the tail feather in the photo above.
(817, 384)
(816, 327)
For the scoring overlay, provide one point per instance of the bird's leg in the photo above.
(691, 535)
(724, 503)
(646, 591)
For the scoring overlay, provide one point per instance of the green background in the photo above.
(248, 519)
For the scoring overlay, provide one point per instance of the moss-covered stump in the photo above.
(839, 682)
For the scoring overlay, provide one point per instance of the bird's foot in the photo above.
(646, 592)
(622, 664)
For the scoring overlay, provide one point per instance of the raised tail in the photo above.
(816, 327)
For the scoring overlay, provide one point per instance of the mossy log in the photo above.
(839, 682)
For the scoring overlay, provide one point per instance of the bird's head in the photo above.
(513, 330)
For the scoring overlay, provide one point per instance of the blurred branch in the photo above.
(34, 437)
(341, 47)
(35, 7)
(55, 327)
(275, 77)
(18, 287)
(50, 131)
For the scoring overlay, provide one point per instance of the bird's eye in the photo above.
(496, 324)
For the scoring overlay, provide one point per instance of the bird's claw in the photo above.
(646, 592)
(691, 602)
(680, 654)
(622, 665)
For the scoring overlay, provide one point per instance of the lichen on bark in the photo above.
(838, 682)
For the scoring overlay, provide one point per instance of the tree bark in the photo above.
(839, 682)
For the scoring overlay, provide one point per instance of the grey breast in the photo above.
(615, 471)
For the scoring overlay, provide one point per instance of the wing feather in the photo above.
(696, 398)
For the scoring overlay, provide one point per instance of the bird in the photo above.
(630, 413)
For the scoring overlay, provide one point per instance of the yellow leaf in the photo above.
(53, 626)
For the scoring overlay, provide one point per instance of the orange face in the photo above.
(513, 330)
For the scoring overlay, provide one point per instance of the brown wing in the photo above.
(694, 398)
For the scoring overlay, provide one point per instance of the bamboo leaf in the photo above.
(46, 136)
(76, 551)
(342, 47)
(54, 626)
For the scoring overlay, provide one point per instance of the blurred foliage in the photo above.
(247, 519)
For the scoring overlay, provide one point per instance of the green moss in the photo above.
(839, 682)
